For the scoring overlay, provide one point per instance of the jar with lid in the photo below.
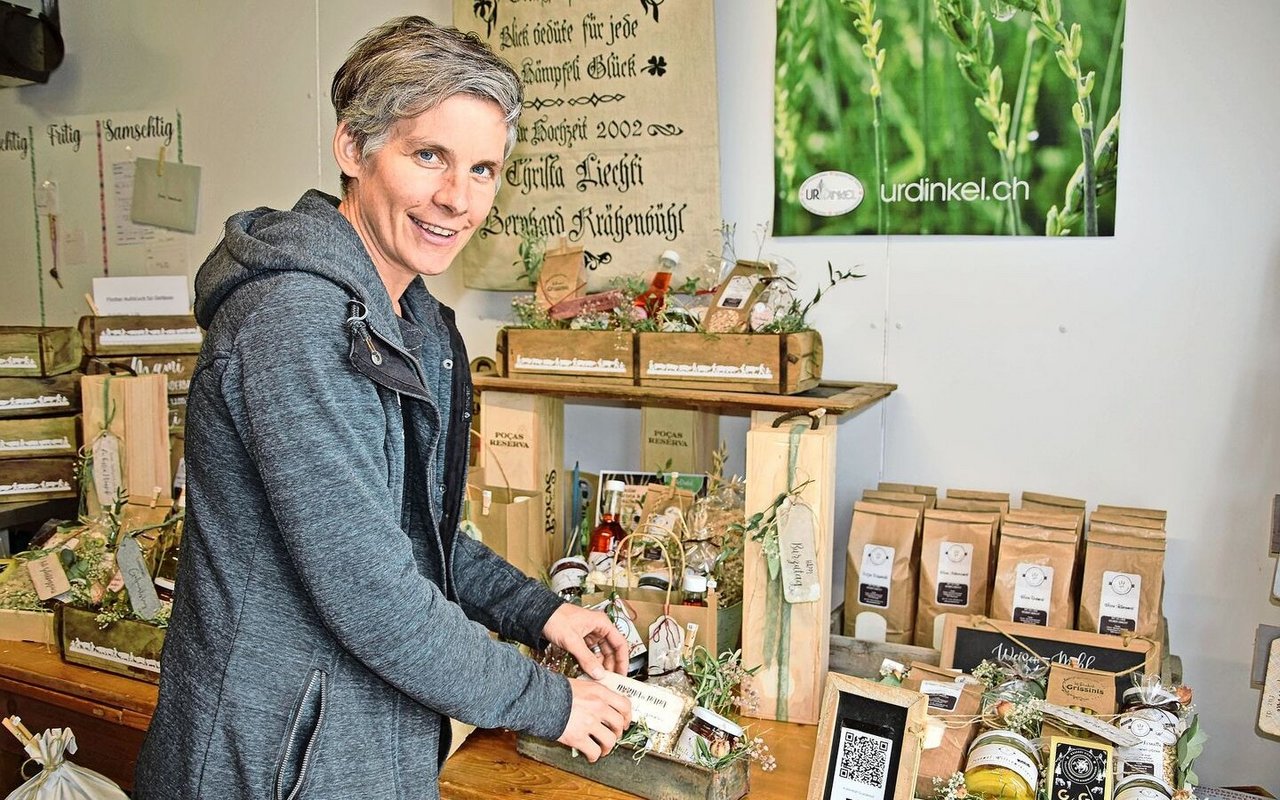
(1002, 765)
(1142, 787)
(719, 734)
(695, 589)
(569, 577)
(1150, 712)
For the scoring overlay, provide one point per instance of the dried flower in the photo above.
(1184, 695)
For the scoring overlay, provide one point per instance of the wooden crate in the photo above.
(176, 369)
(39, 397)
(112, 336)
(731, 362)
(30, 479)
(38, 352)
(27, 626)
(522, 447)
(656, 777)
(678, 439)
(39, 437)
(601, 356)
(127, 647)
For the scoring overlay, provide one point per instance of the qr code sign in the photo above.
(864, 758)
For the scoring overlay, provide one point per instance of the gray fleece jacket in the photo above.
(326, 616)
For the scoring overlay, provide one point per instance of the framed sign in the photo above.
(869, 740)
(968, 641)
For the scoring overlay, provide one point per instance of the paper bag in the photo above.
(510, 523)
(957, 704)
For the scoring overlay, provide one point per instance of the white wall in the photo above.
(1138, 370)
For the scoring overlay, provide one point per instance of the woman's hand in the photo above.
(598, 717)
(590, 637)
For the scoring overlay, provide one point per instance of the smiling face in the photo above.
(417, 201)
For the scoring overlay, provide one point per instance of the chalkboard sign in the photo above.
(968, 641)
(869, 740)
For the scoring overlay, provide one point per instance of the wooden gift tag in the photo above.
(794, 669)
(1269, 717)
(108, 472)
(49, 577)
(797, 545)
(142, 591)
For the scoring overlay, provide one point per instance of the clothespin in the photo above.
(93, 307)
(155, 495)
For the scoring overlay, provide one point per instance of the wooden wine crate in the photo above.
(31, 351)
(29, 479)
(765, 363)
(39, 437)
(139, 418)
(39, 397)
(176, 369)
(656, 776)
(111, 336)
(600, 356)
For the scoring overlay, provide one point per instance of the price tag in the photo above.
(666, 644)
(660, 708)
(142, 592)
(108, 472)
(49, 577)
(798, 552)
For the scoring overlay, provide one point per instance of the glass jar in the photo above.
(1151, 714)
(720, 735)
(1142, 787)
(1002, 765)
(569, 577)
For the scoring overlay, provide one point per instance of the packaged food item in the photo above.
(954, 559)
(1035, 570)
(1123, 580)
(957, 701)
(1152, 713)
(881, 573)
(1002, 765)
(1142, 787)
(930, 492)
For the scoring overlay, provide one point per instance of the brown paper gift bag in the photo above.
(954, 567)
(880, 575)
(959, 705)
(510, 523)
(644, 605)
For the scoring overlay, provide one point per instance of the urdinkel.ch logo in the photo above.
(831, 193)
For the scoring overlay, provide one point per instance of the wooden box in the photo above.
(656, 777)
(790, 641)
(30, 351)
(600, 356)
(127, 647)
(678, 439)
(27, 626)
(30, 479)
(522, 448)
(176, 369)
(140, 419)
(110, 336)
(765, 363)
(39, 397)
(39, 437)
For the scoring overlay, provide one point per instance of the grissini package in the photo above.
(954, 567)
(881, 568)
(1034, 575)
(930, 492)
(1123, 580)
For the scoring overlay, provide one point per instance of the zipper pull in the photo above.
(357, 326)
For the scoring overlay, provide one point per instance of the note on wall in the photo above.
(617, 148)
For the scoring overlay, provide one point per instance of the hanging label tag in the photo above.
(625, 625)
(1091, 724)
(142, 592)
(666, 644)
(108, 472)
(49, 577)
(798, 552)
(660, 708)
(1269, 714)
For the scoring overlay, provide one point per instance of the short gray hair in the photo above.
(410, 65)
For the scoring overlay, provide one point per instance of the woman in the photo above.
(328, 618)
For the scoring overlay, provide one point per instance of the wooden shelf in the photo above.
(836, 397)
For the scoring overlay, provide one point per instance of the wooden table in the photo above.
(109, 713)
(487, 766)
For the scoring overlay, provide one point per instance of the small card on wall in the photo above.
(1080, 769)
(165, 194)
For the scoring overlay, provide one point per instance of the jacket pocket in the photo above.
(300, 737)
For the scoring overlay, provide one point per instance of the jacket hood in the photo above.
(311, 237)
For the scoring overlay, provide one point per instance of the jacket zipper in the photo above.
(293, 731)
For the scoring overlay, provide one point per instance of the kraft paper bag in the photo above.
(954, 567)
(1123, 581)
(880, 575)
(930, 492)
(510, 524)
(959, 704)
(1035, 570)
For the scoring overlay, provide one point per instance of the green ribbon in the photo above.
(777, 638)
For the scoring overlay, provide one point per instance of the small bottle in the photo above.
(695, 589)
(654, 299)
(606, 536)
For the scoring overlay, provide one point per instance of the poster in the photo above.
(947, 117)
(617, 149)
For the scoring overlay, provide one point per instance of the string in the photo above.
(1125, 641)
